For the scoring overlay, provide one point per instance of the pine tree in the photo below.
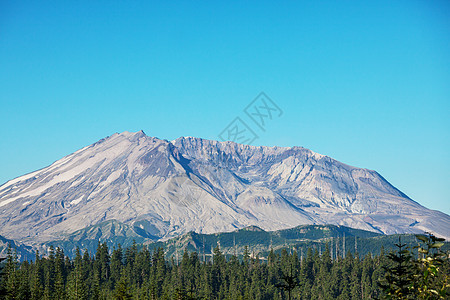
(322, 278)
(12, 281)
(3, 291)
(116, 265)
(76, 288)
(246, 255)
(60, 275)
(217, 270)
(289, 280)
(355, 278)
(23, 279)
(102, 261)
(130, 260)
(142, 266)
(36, 278)
(159, 271)
(122, 289)
(398, 278)
(366, 277)
(49, 274)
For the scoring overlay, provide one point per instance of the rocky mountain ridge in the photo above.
(166, 188)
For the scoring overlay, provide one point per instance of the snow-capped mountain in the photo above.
(163, 189)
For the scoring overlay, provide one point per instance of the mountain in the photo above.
(22, 251)
(159, 189)
(111, 232)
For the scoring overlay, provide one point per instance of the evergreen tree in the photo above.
(142, 266)
(76, 288)
(355, 278)
(116, 265)
(289, 280)
(246, 255)
(217, 271)
(122, 289)
(36, 284)
(366, 277)
(23, 279)
(398, 278)
(12, 280)
(3, 291)
(159, 271)
(49, 274)
(60, 275)
(102, 261)
(130, 260)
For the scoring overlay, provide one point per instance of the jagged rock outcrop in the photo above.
(163, 189)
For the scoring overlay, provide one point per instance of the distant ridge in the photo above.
(251, 236)
(260, 243)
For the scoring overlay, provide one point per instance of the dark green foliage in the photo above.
(399, 273)
(122, 290)
(145, 274)
(12, 276)
(114, 233)
(290, 273)
(2, 279)
(301, 237)
(289, 282)
(425, 277)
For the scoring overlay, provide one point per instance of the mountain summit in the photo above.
(161, 189)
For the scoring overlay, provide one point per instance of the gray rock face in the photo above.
(167, 188)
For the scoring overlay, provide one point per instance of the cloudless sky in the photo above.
(365, 82)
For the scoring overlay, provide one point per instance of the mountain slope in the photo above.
(22, 251)
(169, 188)
(110, 232)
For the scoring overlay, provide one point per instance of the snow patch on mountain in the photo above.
(190, 184)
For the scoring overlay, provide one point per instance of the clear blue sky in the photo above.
(367, 83)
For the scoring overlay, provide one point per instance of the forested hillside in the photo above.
(340, 238)
(140, 273)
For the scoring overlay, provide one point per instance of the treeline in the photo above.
(143, 274)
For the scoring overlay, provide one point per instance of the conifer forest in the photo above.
(420, 272)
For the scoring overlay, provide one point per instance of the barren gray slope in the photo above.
(169, 188)
(330, 191)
